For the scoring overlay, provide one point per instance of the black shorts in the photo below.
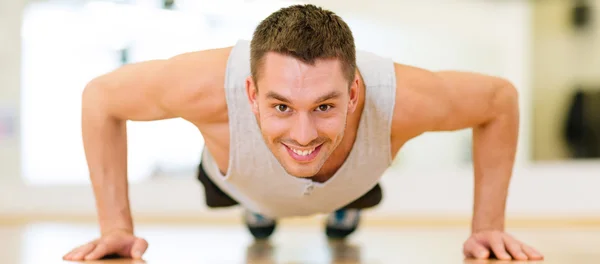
(216, 198)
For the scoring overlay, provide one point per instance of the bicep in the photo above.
(182, 86)
(446, 100)
(129, 92)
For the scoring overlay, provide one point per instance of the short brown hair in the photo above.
(306, 32)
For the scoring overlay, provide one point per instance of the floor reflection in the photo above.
(112, 261)
(343, 252)
(340, 252)
(48, 242)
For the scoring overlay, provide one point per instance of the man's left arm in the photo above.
(452, 100)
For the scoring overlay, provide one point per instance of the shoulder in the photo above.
(203, 68)
(427, 101)
(375, 69)
(415, 100)
(196, 83)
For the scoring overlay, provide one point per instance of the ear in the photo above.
(252, 93)
(354, 93)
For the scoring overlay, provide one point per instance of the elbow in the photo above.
(506, 97)
(93, 98)
(90, 91)
(505, 105)
(511, 91)
(90, 96)
(93, 86)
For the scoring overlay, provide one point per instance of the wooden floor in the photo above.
(45, 243)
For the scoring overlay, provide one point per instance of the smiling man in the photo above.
(296, 123)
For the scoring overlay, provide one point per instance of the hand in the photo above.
(119, 242)
(485, 244)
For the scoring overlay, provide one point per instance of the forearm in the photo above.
(105, 144)
(494, 149)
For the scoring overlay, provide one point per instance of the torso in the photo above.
(216, 133)
(352, 169)
(216, 138)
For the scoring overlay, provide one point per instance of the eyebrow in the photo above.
(325, 97)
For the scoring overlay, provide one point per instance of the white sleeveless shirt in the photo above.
(255, 177)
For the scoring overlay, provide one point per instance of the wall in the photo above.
(66, 45)
(562, 58)
(10, 49)
(491, 37)
(488, 37)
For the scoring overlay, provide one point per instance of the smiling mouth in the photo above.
(303, 155)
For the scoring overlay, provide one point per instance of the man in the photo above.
(296, 123)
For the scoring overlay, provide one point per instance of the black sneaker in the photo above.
(259, 226)
(342, 223)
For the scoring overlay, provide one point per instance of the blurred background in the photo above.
(549, 49)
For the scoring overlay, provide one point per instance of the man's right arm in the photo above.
(107, 103)
(160, 89)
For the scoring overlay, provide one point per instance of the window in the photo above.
(65, 45)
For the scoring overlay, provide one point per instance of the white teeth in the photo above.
(303, 152)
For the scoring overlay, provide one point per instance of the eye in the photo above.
(324, 108)
(281, 108)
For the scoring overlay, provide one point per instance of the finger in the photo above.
(514, 248)
(66, 256)
(100, 251)
(472, 249)
(70, 253)
(497, 245)
(84, 250)
(69, 256)
(139, 248)
(476, 261)
(532, 253)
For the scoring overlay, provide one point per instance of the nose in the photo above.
(303, 130)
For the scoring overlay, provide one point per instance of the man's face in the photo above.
(302, 110)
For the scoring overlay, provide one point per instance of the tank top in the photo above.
(256, 179)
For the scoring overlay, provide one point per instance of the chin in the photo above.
(301, 173)
(302, 167)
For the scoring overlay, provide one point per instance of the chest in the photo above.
(217, 141)
(268, 189)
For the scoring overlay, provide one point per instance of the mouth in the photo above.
(303, 155)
